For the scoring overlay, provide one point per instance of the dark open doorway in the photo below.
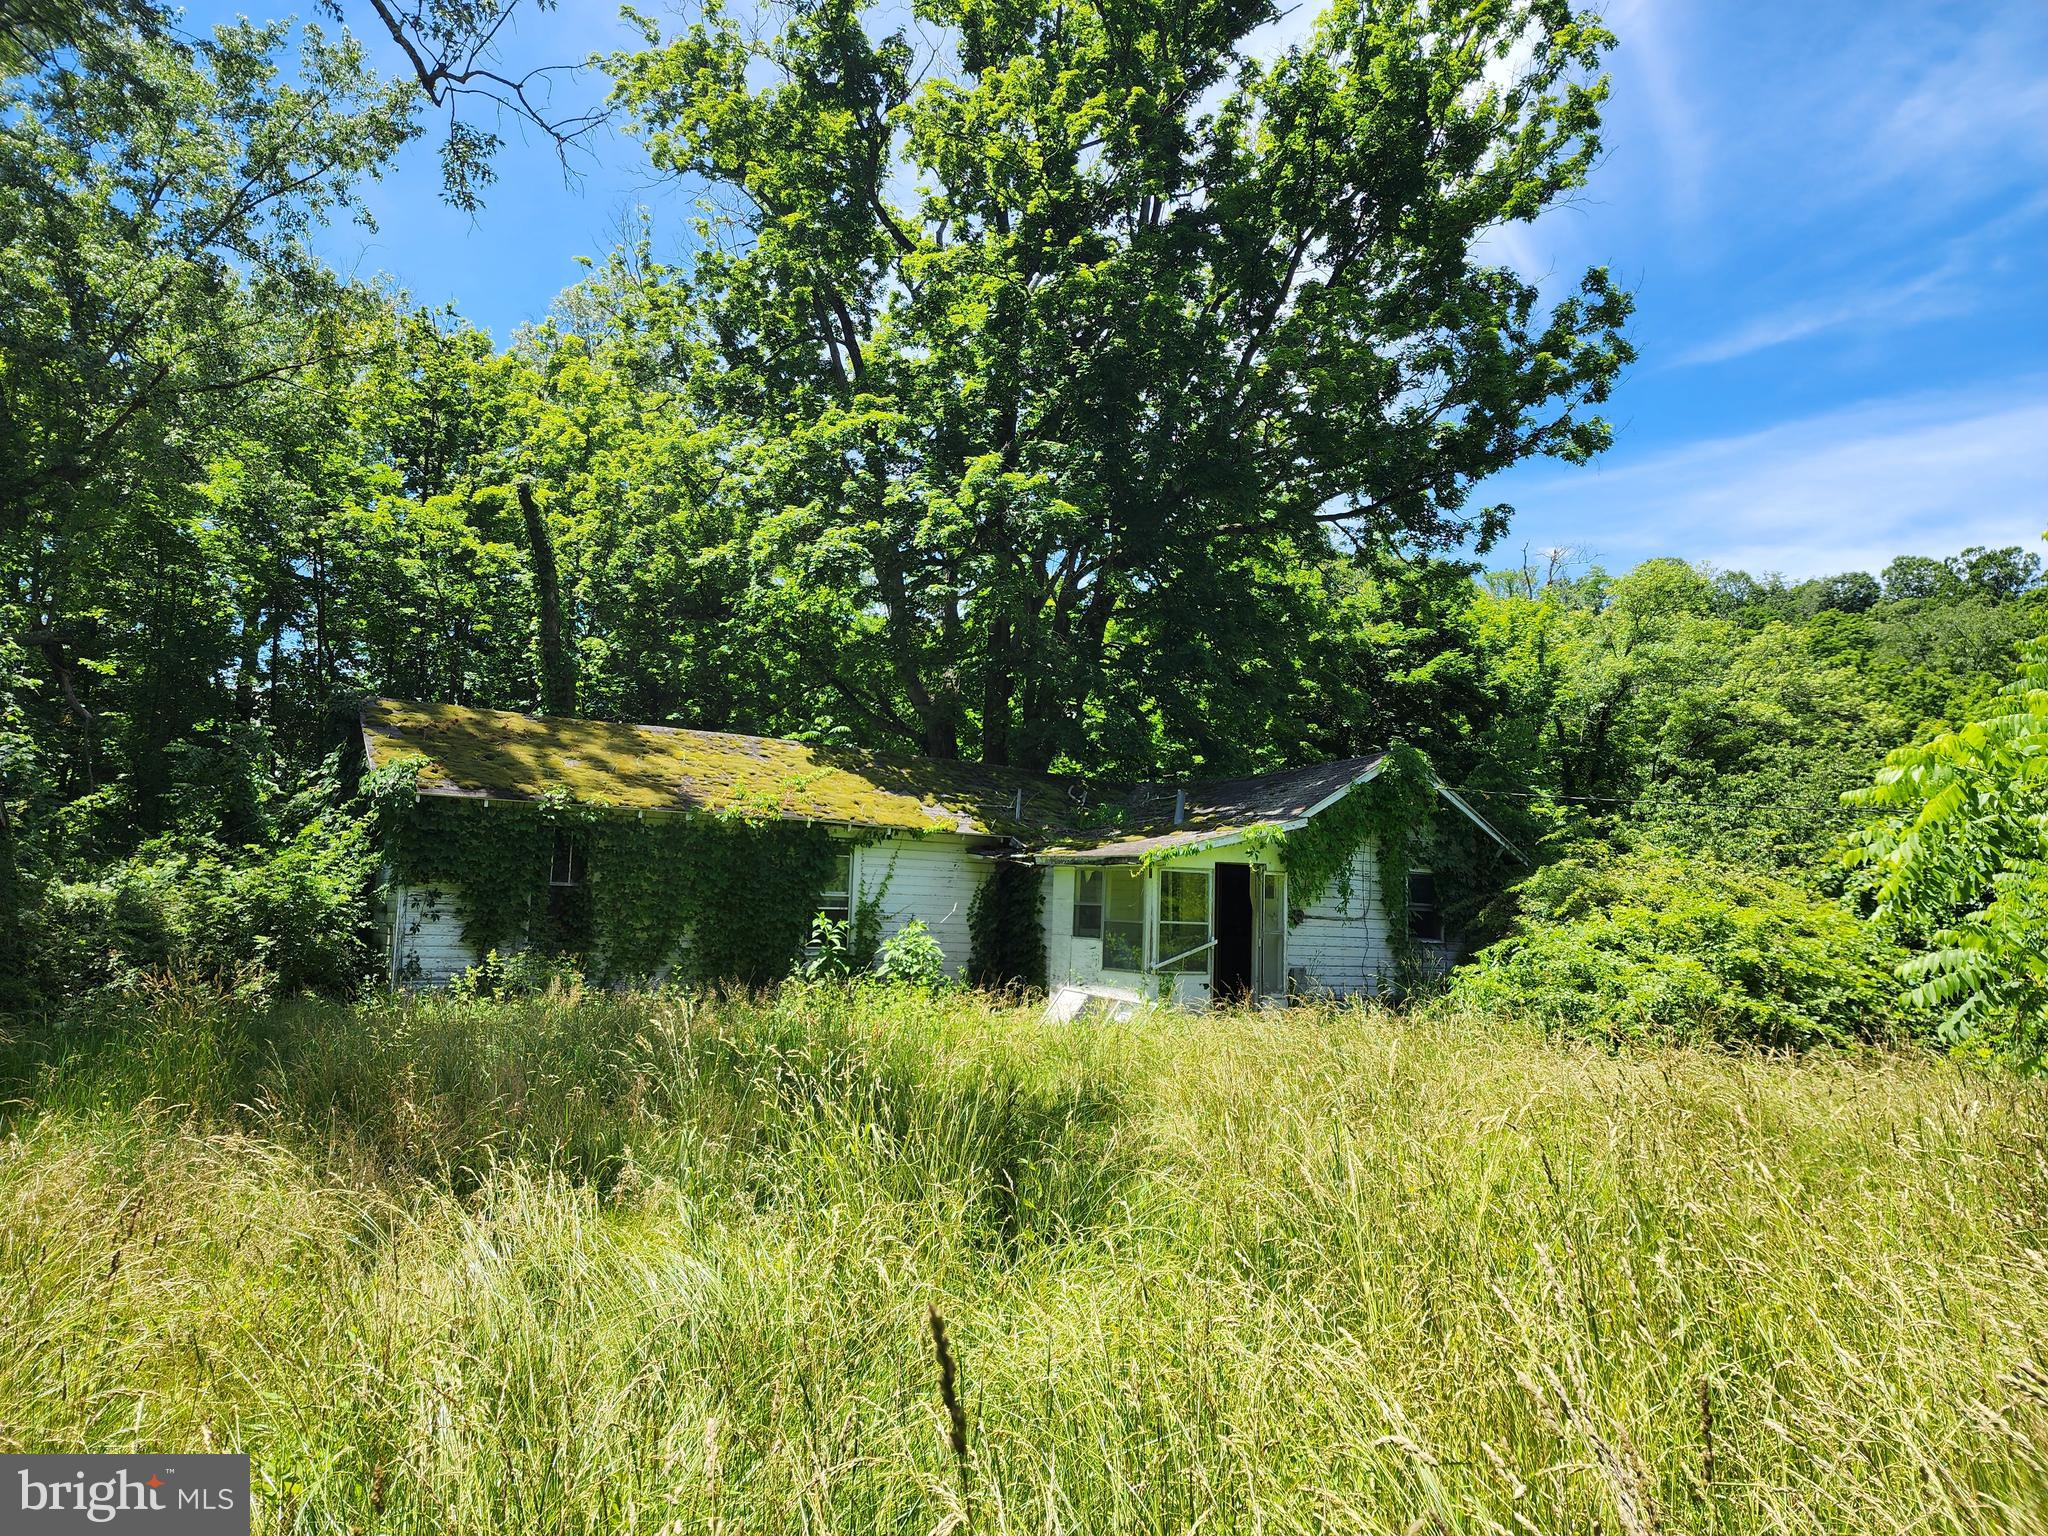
(1233, 932)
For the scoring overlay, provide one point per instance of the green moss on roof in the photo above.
(497, 755)
(493, 754)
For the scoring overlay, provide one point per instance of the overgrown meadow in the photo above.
(665, 1264)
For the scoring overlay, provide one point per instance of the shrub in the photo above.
(1958, 862)
(829, 956)
(912, 956)
(269, 922)
(522, 973)
(1647, 944)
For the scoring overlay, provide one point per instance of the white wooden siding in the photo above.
(929, 878)
(426, 937)
(1340, 946)
(1341, 941)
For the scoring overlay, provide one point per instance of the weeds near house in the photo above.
(664, 1264)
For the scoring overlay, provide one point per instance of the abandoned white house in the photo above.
(1171, 890)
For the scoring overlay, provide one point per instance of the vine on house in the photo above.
(496, 859)
(742, 888)
(1006, 929)
(1395, 812)
(864, 925)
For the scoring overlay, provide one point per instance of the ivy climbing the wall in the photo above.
(496, 858)
(1395, 813)
(1005, 928)
(741, 889)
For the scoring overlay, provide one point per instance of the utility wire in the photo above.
(1694, 801)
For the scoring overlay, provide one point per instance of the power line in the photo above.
(1810, 797)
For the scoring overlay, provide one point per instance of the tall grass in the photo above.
(659, 1264)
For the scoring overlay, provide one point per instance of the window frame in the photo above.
(1269, 933)
(1082, 903)
(1433, 909)
(1128, 930)
(563, 925)
(836, 902)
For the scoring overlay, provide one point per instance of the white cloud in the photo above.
(1852, 119)
(1646, 67)
(1961, 282)
(1926, 474)
(1930, 296)
(1972, 105)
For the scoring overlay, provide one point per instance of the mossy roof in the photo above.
(491, 754)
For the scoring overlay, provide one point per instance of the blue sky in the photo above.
(1834, 215)
(1835, 218)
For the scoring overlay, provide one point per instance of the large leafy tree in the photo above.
(1957, 859)
(1044, 368)
(174, 438)
(156, 295)
(154, 198)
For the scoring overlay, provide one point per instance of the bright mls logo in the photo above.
(156, 1495)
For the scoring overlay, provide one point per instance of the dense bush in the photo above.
(266, 922)
(517, 973)
(1651, 945)
(1957, 862)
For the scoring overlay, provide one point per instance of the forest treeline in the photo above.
(1147, 436)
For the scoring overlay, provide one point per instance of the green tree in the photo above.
(1849, 592)
(1999, 573)
(1912, 576)
(1043, 376)
(156, 293)
(1958, 861)
(152, 224)
(1641, 943)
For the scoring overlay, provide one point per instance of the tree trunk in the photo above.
(246, 667)
(999, 686)
(557, 668)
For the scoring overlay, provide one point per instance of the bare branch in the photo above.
(452, 49)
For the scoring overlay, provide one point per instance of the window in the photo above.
(1425, 916)
(1123, 920)
(1087, 903)
(566, 928)
(567, 866)
(1184, 919)
(836, 900)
